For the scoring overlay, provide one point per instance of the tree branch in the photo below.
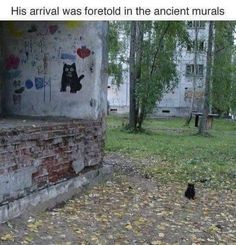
(159, 47)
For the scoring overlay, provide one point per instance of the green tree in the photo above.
(153, 64)
(117, 49)
(224, 69)
(195, 46)
(152, 60)
(206, 105)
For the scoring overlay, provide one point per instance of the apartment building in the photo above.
(176, 102)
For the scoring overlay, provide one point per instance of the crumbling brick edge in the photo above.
(51, 196)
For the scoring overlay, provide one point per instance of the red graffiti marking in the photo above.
(12, 62)
(53, 29)
(83, 52)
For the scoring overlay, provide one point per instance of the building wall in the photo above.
(54, 75)
(118, 97)
(35, 80)
(178, 101)
(32, 158)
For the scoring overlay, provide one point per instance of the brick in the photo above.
(51, 153)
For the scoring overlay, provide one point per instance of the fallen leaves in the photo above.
(8, 237)
(34, 225)
(128, 226)
(161, 234)
(114, 213)
(156, 242)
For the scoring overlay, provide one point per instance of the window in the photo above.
(201, 24)
(190, 24)
(200, 70)
(190, 70)
(200, 46)
(189, 47)
(193, 24)
(165, 111)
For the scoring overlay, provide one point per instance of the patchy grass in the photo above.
(169, 151)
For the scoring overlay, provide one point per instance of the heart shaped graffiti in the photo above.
(83, 52)
(12, 62)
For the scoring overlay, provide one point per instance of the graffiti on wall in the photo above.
(12, 62)
(13, 30)
(67, 56)
(45, 84)
(71, 79)
(18, 90)
(9, 75)
(33, 58)
(39, 82)
(72, 24)
(83, 52)
(29, 84)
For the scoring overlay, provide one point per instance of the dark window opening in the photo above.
(200, 46)
(193, 24)
(165, 111)
(190, 70)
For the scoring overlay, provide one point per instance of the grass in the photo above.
(169, 151)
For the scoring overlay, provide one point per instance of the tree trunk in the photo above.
(132, 77)
(139, 46)
(188, 120)
(203, 123)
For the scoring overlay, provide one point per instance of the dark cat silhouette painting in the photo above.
(190, 192)
(71, 79)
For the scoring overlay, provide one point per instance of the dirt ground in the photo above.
(131, 209)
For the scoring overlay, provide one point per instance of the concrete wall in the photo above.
(36, 82)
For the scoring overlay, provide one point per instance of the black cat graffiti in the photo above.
(70, 78)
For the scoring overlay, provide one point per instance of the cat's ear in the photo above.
(73, 65)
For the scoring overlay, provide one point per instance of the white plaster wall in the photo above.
(118, 96)
(175, 100)
(42, 48)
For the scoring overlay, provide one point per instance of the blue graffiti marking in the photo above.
(12, 74)
(29, 84)
(39, 82)
(66, 56)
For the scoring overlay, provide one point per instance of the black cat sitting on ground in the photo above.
(190, 192)
(70, 78)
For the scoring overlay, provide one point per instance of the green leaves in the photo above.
(117, 50)
(224, 68)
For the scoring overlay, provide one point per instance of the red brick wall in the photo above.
(47, 153)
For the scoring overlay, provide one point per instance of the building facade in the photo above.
(178, 101)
